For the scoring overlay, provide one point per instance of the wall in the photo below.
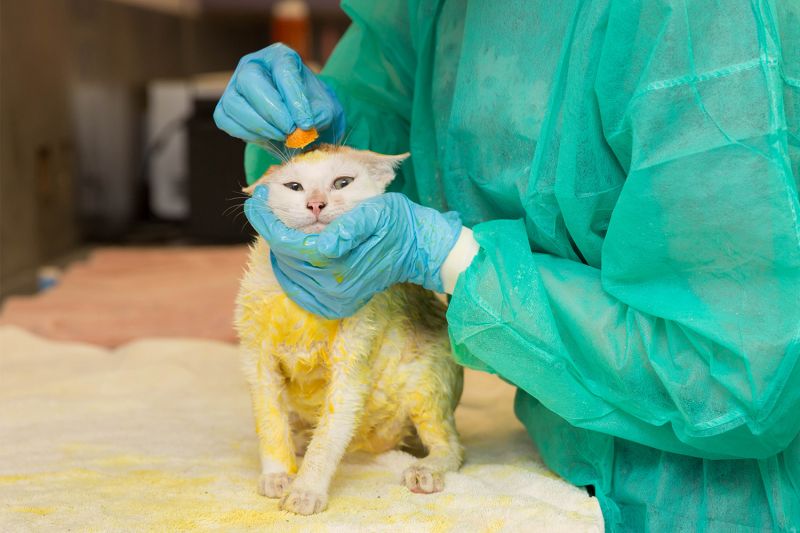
(73, 78)
(119, 49)
(36, 143)
(73, 75)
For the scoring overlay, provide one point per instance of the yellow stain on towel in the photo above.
(126, 460)
(41, 511)
(123, 495)
(161, 500)
(494, 526)
(85, 478)
(435, 523)
(13, 478)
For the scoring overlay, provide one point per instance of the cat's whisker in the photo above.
(281, 153)
(228, 210)
(346, 137)
(244, 225)
(276, 151)
(342, 138)
(237, 201)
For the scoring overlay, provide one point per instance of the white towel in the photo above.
(158, 436)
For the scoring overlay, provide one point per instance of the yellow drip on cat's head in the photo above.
(311, 156)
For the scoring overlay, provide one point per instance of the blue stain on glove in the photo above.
(271, 93)
(384, 240)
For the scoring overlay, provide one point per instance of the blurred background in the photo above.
(106, 130)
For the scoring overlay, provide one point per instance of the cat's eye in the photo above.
(342, 181)
(293, 185)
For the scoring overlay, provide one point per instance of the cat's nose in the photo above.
(316, 207)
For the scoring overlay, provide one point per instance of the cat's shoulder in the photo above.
(258, 275)
(410, 301)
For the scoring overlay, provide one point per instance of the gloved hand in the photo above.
(271, 93)
(382, 241)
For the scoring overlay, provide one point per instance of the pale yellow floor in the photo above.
(157, 436)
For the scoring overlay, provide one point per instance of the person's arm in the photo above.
(687, 338)
(458, 260)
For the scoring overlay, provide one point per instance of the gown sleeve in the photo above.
(686, 336)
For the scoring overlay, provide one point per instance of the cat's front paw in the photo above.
(304, 501)
(273, 485)
(422, 480)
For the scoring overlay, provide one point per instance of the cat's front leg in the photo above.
(275, 444)
(349, 383)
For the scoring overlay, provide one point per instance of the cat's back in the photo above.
(413, 309)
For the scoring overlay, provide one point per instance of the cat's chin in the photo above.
(313, 228)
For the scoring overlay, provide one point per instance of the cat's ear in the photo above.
(260, 181)
(382, 168)
(249, 189)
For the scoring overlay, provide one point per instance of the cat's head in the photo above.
(313, 188)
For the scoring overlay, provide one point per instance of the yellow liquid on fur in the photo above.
(367, 382)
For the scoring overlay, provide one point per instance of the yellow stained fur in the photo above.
(313, 155)
(362, 383)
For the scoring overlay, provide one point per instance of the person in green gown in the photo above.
(626, 173)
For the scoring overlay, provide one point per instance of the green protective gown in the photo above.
(631, 172)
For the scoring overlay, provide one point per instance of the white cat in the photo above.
(368, 382)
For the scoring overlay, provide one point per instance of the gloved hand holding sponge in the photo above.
(272, 93)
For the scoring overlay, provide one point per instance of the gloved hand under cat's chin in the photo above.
(384, 240)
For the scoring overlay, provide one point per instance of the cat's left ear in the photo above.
(383, 168)
(263, 180)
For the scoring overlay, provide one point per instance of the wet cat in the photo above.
(369, 382)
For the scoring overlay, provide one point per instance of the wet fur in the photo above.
(368, 382)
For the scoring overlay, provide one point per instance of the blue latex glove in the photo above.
(271, 93)
(384, 240)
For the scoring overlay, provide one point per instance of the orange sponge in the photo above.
(301, 138)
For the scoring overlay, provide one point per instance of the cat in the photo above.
(371, 382)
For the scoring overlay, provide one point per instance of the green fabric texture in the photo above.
(631, 171)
